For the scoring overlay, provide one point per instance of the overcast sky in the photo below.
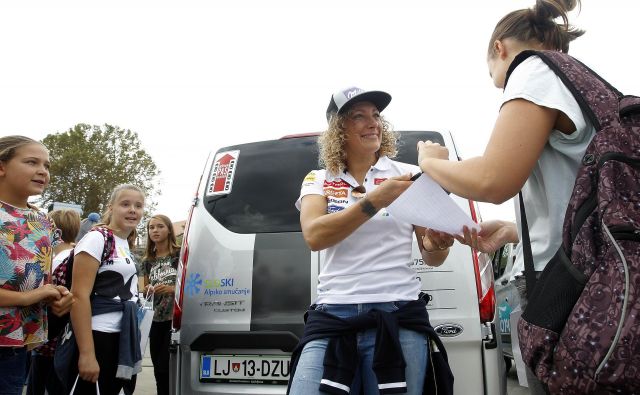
(193, 76)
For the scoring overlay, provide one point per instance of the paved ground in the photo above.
(513, 388)
(146, 383)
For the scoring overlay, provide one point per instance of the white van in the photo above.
(246, 277)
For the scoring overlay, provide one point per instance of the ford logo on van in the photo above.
(448, 330)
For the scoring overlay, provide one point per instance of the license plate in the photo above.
(254, 369)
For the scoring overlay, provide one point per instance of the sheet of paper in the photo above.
(425, 203)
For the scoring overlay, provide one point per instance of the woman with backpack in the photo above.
(159, 268)
(26, 241)
(541, 135)
(104, 317)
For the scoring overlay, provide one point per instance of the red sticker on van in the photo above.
(222, 172)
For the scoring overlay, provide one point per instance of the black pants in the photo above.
(43, 377)
(106, 347)
(159, 338)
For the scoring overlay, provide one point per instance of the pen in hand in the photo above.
(418, 174)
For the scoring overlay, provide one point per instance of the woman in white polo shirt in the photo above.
(368, 252)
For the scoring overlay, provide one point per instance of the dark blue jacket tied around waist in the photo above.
(341, 356)
(129, 354)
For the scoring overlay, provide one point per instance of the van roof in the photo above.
(293, 136)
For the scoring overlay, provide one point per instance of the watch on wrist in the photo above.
(368, 208)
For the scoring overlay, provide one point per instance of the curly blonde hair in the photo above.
(332, 155)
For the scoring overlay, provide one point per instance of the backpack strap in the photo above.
(602, 109)
(529, 268)
(109, 245)
(59, 274)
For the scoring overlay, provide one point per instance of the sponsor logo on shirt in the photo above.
(332, 208)
(378, 181)
(336, 193)
(336, 184)
(311, 177)
(333, 200)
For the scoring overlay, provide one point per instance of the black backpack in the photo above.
(580, 332)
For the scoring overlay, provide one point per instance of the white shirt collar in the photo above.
(383, 163)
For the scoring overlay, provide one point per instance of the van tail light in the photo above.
(181, 276)
(484, 278)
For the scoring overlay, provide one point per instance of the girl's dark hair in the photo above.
(538, 24)
(150, 250)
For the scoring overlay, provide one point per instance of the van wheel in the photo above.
(507, 364)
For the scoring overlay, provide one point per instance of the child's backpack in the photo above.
(580, 332)
(62, 274)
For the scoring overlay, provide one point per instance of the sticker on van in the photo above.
(504, 312)
(224, 168)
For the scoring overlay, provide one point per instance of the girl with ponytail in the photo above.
(106, 288)
(540, 135)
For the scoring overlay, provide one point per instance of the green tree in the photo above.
(88, 161)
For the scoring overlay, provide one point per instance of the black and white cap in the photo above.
(345, 98)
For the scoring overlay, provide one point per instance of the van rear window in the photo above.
(267, 180)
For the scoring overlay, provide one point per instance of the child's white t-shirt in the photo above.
(118, 280)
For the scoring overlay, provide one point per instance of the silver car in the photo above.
(508, 298)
